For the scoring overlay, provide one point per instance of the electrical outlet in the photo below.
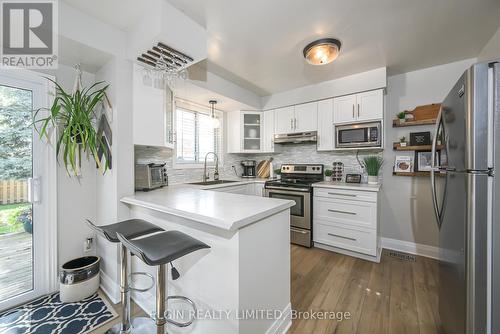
(88, 244)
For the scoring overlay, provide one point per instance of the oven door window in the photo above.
(156, 175)
(352, 136)
(298, 208)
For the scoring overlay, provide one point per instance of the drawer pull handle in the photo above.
(298, 231)
(339, 194)
(341, 236)
(344, 212)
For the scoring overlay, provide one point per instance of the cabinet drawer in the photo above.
(357, 195)
(351, 213)
(356, 240)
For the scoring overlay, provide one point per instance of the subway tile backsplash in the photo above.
(295, 153)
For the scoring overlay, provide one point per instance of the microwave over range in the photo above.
(358, 135)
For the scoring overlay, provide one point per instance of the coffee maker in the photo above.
(249, 168)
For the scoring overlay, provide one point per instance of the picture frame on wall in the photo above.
(423, 160)
(403, 164)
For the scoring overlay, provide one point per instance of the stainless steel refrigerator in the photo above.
(466, 198)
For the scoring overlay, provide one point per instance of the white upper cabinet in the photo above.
(344, 109)
(245, 132)
(370, 105)
(284, 120)
(325, 125)
(152, 114)
(299, 118)
(268, 137)
(306, 117)
(359, 107)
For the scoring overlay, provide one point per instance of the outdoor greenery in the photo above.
(15, 133)
(9, 214)
(372, 164)
(73, 114)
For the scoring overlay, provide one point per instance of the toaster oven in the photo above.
(150, 176)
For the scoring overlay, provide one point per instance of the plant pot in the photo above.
(372, 179)
(278, 177)
(402, 120)
(402, 144)
(79, 278)
(328, 178)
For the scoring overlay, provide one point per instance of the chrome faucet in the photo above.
(206, 175)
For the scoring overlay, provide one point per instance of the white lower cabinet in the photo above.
(346, 221)
(254, 189)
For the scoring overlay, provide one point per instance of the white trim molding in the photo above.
(411, 247)
(283, 324)
(110, 288)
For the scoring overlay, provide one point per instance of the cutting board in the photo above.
(264, 168)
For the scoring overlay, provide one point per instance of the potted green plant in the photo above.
(277, 172)
(402, 141)
(328, 175)
(402, 117)
(372, 164)
(25, 218)
(73, 117)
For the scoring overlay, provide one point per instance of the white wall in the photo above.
(75, 196)
(118, 181)
(491, 50)
(355, 83)
(406, 209)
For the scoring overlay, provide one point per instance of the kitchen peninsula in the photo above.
(247, 266)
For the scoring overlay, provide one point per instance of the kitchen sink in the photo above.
(209, 183)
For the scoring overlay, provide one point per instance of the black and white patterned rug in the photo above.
(48, 315)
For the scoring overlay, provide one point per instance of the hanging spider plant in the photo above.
(74, 119)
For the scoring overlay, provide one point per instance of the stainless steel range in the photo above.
(296, 185)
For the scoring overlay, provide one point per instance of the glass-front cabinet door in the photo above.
(252, 131)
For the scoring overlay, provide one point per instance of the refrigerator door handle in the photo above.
(434, 168)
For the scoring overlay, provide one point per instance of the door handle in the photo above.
(295, 124)
(339, 194)
(341, 236)
(34, 190)
(344, 212)
(353, 111)
(298, 231)
(434, 168)
(291, 123)
(358, 109)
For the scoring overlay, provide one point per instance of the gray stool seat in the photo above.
(131, 228)
(163, 247)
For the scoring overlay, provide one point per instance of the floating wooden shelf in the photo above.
(411, 174)
(415, 174)
(397, 124)
(397, 147)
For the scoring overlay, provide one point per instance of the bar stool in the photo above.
(159, 250)
(132, 228)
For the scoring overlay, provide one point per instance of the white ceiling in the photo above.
(258, 44)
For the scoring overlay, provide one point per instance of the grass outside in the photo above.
(8, 217)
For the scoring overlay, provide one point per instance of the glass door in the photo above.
(22, 212)
(252, 131)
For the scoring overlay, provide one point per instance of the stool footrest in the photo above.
(140, 273)
(193, 306)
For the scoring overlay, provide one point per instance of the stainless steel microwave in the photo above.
(358, 135)
(150, 176)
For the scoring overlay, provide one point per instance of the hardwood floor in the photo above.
(392, 297)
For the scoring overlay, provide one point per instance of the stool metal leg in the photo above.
(160, 299)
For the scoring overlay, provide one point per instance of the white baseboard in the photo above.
(110, 288)
(411, 248)
(350, 253)
(283, 324)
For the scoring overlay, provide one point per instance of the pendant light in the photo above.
(323, 51)
(215, 120)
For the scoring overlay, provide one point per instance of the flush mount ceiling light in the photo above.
(215, 120)
(323, 51)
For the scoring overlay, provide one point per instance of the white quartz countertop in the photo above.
(222, 210)
(348, 186)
